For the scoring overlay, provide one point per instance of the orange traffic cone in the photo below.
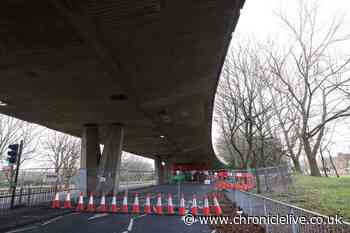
(67, 203)
(182, 208)
(114, 207)
(125, 207)
(206, 209)
(136, 206)
(217, 207)
(147, 208)
(103, 207)
(56, 201)
(194, 209)
(159, 207)
(91, 206)
(80, 206)
(170, 205)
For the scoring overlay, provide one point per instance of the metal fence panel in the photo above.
(257, 205)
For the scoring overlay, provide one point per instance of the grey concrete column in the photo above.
(162, 172)
(109, 167)
(90, 154)
(159, 171)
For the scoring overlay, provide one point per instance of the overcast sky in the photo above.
(258, 21)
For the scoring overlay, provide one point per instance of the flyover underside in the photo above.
(150, 65)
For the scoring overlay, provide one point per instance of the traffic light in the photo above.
(12, 153)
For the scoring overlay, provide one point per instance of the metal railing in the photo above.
(29, 197)
(257, 205)
(38, 186)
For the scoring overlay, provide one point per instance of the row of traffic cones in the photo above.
(136, 205)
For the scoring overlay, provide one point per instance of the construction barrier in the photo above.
(135, 208)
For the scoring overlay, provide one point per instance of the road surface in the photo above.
(125, 223)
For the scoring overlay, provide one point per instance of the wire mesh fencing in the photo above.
(260, 206)
(269, 179)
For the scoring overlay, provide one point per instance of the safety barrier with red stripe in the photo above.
(146, 208)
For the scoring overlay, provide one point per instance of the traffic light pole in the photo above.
(18, 163)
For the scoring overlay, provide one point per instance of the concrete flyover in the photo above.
(137, 75)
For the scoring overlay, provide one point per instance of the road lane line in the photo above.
(140, 216)
(214, 231)
(98, 216)
(130, 224)
(22, 229)
(51, 220)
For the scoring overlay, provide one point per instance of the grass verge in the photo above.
(328, 196)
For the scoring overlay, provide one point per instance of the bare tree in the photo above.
(288, 125)
(243, 109)
(133, 162)
(312, 76)
(63, 154)
(13, 130)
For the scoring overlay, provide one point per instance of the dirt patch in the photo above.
(229, 209)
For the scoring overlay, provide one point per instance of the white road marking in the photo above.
(22, 229)
(140, 216)
(97, 216)
(51, 220)
(131, 224)
(214, 231)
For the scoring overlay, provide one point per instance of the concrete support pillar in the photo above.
(90, 155)
(109, 167)
(159, 171)
(162, 170)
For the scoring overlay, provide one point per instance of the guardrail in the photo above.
(28, 197)
(257, 205)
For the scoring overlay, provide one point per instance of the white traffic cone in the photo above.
(136, 205)
(217, 207)
(170, 205)
(91, 205)
(103, 207)
(114, 207)
(206, 208)
(67, 203)
(147, 208)
(182, 208)
(80, 206)
(194, 209)
(125, 207)
(159, 207)
(56, 201)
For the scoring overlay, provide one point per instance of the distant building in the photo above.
(342, 163)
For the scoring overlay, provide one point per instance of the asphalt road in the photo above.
(125, 223)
